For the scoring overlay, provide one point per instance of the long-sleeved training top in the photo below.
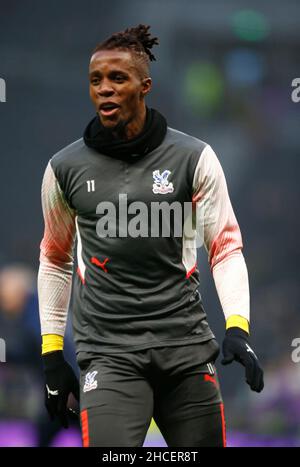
(139, 290)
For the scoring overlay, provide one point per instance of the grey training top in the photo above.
(137, 279)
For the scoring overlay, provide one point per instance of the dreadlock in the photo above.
(137, 40)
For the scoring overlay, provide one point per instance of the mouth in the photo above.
(108, 109)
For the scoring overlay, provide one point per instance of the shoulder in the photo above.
(202, 151)
(68, 155)
(68, 163)
(185, 141)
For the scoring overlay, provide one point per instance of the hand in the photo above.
(236, 347)
(60, 382)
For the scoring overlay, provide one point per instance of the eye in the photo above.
(95, 81)
(119, 78)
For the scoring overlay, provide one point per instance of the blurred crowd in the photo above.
(23, 418)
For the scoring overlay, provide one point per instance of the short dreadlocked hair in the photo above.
(137, 40)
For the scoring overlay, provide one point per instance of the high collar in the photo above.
(96, 136)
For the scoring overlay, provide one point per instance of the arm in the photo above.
(56, 263)
(54, 290)
(223, 242)
(222, 239)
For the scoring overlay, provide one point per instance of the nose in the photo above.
(105, 89)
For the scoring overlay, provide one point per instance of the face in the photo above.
(117, 89)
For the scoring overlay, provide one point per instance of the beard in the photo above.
(117, 132)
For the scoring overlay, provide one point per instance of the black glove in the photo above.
(236, 347)
(60, 381)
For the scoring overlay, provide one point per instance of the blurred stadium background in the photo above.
(223, 73)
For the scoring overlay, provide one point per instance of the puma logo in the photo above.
(51, 393)
(250, 350)
(99, 264)
(210, 378)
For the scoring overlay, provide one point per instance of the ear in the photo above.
(146, 86)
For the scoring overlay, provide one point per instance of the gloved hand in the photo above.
(60, 382)
(236, 347)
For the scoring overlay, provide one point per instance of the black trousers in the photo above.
(120, 394)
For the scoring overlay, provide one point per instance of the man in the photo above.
(143, 343)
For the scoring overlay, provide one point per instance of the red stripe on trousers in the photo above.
(223, 425)
(85, 429)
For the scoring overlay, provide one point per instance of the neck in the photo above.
(132, 128)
